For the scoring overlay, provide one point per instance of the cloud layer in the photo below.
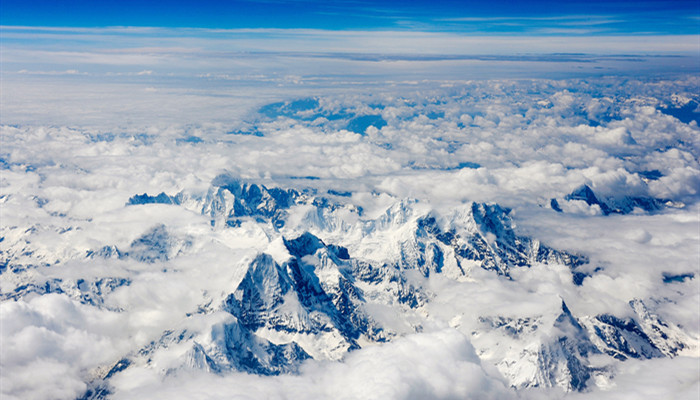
(95, 125)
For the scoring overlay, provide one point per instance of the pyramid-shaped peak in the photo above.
(304, 245)
(566, 321)
(263, 264)
(585, 193)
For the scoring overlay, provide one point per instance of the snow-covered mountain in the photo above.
(614, 204)
(326, 279)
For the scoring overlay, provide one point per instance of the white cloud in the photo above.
(371, 41)
(439, 365)
(659, 378)
(57, 342)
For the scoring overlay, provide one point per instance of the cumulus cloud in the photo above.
(58, 342)
(661, 378)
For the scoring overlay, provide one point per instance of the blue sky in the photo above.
(494, 17)
(278, 41)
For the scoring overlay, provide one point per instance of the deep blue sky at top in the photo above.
(577, 17)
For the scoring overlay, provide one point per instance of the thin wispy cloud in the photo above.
(569, 38)
(619, 17)
(594, 19)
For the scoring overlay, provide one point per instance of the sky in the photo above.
(542, 17)
(56, 52)
(507, 102)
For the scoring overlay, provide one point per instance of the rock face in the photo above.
(161, 198)
(313, 293)
(229, 199)
(476, 235)
(621, 338)
(314, 298)
(538, 351)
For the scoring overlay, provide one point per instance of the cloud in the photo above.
(151, 47)
(55, 341)
(66, 72)
(438, 365)
(660, 378)
(77, 147)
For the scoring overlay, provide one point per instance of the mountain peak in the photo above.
(303, 245)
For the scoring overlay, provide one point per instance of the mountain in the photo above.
(549, 350)
(613, 204)
(327, 280)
